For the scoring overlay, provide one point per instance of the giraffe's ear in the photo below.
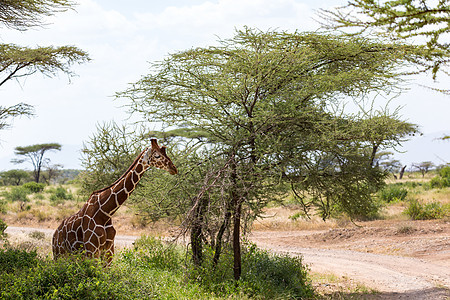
(163, 150)
(154, 144)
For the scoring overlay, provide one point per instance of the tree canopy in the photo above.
(18, 62)
(21, 15)
(424, 22)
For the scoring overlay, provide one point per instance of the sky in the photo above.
(124, 37)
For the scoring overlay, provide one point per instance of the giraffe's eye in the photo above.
(157, 155)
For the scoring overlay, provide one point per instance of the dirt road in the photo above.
(396, 277)
(385, 273)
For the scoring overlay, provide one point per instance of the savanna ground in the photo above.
(393, 257)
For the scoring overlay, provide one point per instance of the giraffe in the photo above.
(90, 230)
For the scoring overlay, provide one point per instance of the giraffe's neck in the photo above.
(111, 198)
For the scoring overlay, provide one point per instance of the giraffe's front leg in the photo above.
(109, 245)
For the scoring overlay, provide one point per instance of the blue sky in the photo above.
(123, 36)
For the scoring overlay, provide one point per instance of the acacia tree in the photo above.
(35, 155)
(21, 15)
(401, 20)
(17, 62)
(265, 101)
(14, 177)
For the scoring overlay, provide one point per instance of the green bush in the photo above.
(34, 187)
(443, 180)
(14, 260)
(393, 193)
(60, 194)
(273, 275)
(429, 211)
(444, 172)
(2, 206)
(439, 182)
(152, 270)
(153, 253)
(3, 227)
(65, 279)
(17, 193)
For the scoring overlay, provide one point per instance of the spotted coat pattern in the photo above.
(90, 230)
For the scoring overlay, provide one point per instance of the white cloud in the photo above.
(121, 41)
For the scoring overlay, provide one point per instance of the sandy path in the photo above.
(411, 277)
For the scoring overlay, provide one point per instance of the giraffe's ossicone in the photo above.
(90, 230)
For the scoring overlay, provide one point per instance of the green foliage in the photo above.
(428, 211)
(34, 187)
(15, 260)
(264, 275)
(60, 194)
(275, 275)
(393, 193)
(2, 206)
(3, 227)
(401, 20)
(445, 172)
(17, 193)
(23, 14)
(153, 253)
(108, 155)
(64, 279)
(16, 61)
(13, 177)
(152, 270)
(443, 180)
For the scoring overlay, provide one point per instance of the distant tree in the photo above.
(387, 163)
(51, 172)
(424, 167)
(18, 62)
(14, 177)
(35, 155)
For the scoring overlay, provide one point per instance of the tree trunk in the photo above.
(196, 233)
(237, 239)
(236, 208)
(223, 227)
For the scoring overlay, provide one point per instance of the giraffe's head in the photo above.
(156, 156)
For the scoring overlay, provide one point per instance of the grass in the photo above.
(330, 286)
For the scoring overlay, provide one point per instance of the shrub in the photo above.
(274, 275)
(444, 172)
(2, 206)
(3, 227)
(443, 180)
(429, 211)
(17, 193)
(14, 260)
(153, 253)
(440, 182)
(34, 187)
(73, 278)
(393, 193)
(59, 194)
